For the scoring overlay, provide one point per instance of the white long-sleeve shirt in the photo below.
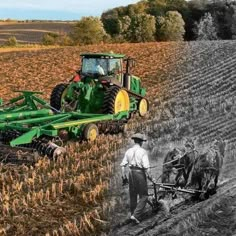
(100, 70)
(136, 157)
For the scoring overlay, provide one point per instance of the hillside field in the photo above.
(32, 32)
(191, 88)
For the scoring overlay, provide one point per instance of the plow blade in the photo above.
(29, 153)
(172, 188)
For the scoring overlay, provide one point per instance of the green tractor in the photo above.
(103, 85)
(100, 98)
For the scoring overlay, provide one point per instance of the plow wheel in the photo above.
(90, 132)
(143, 107)
(116, 100)
(57, 96)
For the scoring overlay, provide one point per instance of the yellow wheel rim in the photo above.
(63, 96)
(92, 134)
(143, 107)
(122, 102)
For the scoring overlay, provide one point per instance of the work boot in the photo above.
(133, 218)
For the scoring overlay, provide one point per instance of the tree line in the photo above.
(156, 20)
(175, 15)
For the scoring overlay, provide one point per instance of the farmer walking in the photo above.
(136, 158)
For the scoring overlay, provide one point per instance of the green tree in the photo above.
(89, 30)
(111, 25)
(110, 20)
(124, 26)
(170, 27)
(176, 5)
(157, 7)
(142, 28)
(206, 28)
(138, 8)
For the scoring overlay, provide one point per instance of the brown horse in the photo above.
(206, 169)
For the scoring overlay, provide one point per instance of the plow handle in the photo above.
(172, 187)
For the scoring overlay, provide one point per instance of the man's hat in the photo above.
(139, 136)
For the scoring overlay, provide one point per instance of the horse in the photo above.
(180, 163)
(168, 165)
(206, 169)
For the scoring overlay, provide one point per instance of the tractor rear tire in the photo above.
(57, 96)
(115, 100)
(90, 132)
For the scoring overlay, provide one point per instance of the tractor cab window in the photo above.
(95, 66)
(115, 67)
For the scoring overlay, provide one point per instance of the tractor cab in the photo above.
(104, 84)
(97, 65)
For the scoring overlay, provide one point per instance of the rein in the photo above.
(177, 159)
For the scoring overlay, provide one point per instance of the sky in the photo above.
(56, 9)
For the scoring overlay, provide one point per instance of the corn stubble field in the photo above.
(191, 88)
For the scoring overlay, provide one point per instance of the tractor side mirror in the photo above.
(132, 62)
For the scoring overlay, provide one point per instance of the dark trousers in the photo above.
(137, 187)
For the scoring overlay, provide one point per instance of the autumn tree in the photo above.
(170, 27)
(138, 8)
(142, 28)
(206, 28)
(124, 26)
(50, 38)
(113, 19)
(12, 41)
(89, 30)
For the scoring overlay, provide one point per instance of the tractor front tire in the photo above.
(57, 95)
(116, 100)
(143, 107)
(90, 132)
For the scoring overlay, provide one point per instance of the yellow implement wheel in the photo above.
(143, 107)
(122, 102)
(63, 96)
(90, 132)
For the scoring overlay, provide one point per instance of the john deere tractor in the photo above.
(99, 99)
(103, 85)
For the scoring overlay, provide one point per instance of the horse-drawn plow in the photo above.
(196, 170)
(162, 189)
(189, 178)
